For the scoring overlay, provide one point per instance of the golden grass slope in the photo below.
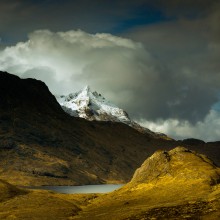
(8, 191)
(39, 204)
(176, 184)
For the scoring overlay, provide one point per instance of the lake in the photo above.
(103, 188)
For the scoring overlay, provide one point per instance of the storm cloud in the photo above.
(19, 17)
(189, 46)
(67, 61)
(118, 67)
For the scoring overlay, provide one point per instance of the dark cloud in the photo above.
(185, 8)
(19, 17)
(188, 49)
(183, 87)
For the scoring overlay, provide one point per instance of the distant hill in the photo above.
(40, 144)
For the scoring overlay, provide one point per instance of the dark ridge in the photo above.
(193, 141)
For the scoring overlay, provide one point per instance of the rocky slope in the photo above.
(42, 145)
(93, 106)
(175, 184)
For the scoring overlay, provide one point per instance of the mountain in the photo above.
(175, 184)
(93, 106)
(40, 144)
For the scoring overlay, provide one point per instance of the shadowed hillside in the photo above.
(41, 145)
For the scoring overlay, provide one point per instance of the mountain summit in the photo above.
(93, 106)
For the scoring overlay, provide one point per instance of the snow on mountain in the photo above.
(93, 106)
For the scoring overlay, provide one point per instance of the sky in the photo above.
(158, 60)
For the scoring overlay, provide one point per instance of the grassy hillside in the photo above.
(176, 184)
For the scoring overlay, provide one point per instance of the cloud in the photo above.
(120, 68)
(207, 130)
(67, 61)
(189, 48)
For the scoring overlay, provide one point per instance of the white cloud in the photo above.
(207, 130)
(67, 61)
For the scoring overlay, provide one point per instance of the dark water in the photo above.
(104, 188)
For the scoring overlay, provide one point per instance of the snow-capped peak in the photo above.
(93, 106)
(85, 91)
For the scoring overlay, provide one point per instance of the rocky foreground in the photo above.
(175, 184)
